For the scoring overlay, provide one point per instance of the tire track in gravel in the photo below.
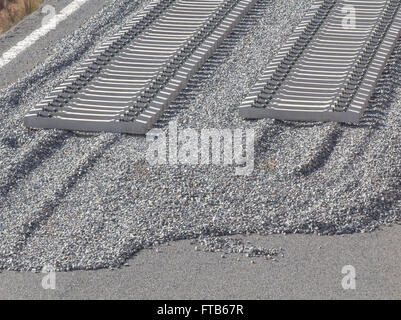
(28, 207)
(373, 119)
(51, 203)
(29, 160)
(322, 153)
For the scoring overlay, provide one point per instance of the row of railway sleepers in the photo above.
(250, 106)
(179, 80)
(310, 89)
(135, 67)
(321, 73)
(140, 107)
(92, 65)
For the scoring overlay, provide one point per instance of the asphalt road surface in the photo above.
(310, 269)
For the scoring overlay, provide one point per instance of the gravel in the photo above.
(232, 245)
(89, 201)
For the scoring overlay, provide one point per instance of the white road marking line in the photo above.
(9, 55)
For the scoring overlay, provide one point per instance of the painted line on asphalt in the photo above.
(21, 46)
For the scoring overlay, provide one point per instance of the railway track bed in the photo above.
(327, 71)
(329, 68)
(126, 85)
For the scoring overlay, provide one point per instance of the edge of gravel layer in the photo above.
(228, 205)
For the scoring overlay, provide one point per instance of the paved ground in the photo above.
(311, 266)
(310, 269)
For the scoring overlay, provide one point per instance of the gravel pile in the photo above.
(88, 201)
(226, 245)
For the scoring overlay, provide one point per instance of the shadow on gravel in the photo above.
(33, 160)
(48, 207)
(323, 154)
